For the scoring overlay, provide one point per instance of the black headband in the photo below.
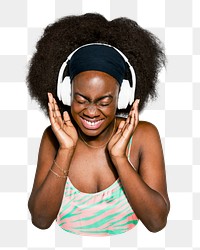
(98, 57)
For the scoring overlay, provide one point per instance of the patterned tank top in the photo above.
(104, 213)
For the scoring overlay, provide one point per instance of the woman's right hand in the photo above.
(63, 128)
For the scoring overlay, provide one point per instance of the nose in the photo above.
(91, 111)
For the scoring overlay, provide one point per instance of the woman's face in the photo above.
(94, 101)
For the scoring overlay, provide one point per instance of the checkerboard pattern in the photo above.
(176, 113)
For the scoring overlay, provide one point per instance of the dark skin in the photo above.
(93, 108)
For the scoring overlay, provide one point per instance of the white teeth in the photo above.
(92, 123)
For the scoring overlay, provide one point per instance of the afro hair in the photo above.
(144, 51)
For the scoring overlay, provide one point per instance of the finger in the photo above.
(49, 96)
(118, 133)
(137, 114)
(57, 111)
(120, 127)
(129, 127)
(51, 115)
(67, 119)
(135, 104)
(51, 104)
(128, 118)
(134, 108)
(125, 126)
(132, 119)
(130, 115)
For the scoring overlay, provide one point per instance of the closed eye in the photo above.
(80, 99)
(102, 101)
(105, 101)
(103, 104)
(82, 102)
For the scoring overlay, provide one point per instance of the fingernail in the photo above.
(138, 100)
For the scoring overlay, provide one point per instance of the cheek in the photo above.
(75, 108)
(75, 114)
(110, 111)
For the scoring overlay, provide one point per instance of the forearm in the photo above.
(149, 205)
(44, 203)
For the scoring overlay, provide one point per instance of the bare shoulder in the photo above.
(146, 132)
(146, 127)
(147, 140)
(49, 138)
(150, 147)
(47, 152)
(48, 133)
(49, 144)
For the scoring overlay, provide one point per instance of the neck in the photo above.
(101, 140)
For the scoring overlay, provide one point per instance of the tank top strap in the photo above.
(129, 148)
(129, 152)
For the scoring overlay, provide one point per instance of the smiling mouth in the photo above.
(91, 124)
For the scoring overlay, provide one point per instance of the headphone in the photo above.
(126, 94)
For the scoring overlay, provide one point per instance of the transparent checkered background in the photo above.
(176, 113)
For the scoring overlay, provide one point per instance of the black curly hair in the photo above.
(144, 51)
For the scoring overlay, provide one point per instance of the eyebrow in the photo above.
(98, 99)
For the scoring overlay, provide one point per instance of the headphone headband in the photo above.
(126, 95)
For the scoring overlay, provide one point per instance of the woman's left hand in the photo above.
(118, 143)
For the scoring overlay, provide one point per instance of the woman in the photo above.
(98, 173)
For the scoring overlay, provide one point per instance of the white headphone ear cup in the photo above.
(59, 81)
(124, 95)
(65, 91)
(132, 96)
